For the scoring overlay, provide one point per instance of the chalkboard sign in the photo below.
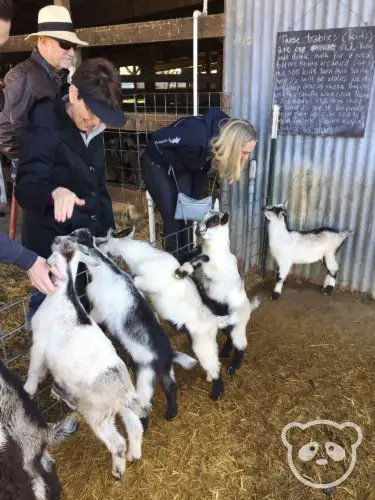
(324, 80)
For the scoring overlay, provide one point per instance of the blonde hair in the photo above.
(227, 148)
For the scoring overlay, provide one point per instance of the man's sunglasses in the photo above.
(65, 45)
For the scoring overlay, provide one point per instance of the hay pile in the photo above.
(309, 357)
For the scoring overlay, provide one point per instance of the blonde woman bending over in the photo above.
(191, 146)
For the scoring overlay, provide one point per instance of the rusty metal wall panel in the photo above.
(328, 181)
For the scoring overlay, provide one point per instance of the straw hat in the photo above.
(55, 21)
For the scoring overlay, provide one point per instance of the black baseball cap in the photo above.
(109, 116)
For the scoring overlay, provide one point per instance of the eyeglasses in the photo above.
(65, 45)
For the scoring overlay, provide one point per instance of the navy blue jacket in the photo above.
(185, 143)
(12, 252)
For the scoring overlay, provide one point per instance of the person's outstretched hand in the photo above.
(39, 276)
(65, 201)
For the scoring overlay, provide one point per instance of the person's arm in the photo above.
(105, 207)
(38, 148)
(34, 187)
(12, 252)
(18, 99)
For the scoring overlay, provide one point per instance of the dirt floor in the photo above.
(309, 357)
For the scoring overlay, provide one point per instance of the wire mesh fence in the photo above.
(146, 113)
(15, 344)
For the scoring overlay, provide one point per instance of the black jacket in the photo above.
(53, 154)
(185, 143)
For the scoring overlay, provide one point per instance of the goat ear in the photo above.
(99, 240)
(52, 259)
(285, 205)
(125, 233)
(225, 218)
(267, 215)
(217, 205)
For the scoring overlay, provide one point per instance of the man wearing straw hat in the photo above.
(41, 75)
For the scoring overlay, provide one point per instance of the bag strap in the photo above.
(171, 169)
(213, 185)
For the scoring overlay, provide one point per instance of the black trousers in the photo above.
(178, 236)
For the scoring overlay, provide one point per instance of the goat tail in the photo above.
(182, 359)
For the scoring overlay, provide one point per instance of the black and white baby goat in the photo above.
(27, 471)
(83, 362)
(176, 301)
(220, 284)
(299, 247)
(119, 305)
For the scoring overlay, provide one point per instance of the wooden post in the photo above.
(63, 3)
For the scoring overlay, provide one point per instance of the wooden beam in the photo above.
(63, 3)
(153, 31)
(116, 11)
(143, 122)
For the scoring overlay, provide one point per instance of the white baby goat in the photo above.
(299, 247)
(177, 301)
(219, 280)
(83, 361)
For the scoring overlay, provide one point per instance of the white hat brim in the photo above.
(61, 35)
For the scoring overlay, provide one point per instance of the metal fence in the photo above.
(15, 343)
(146, 113)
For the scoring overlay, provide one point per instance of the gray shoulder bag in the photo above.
(190, 208)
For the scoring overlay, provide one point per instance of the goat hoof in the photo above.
(145, 422)
(275, 296)
(232, 370)
(328, 290)
(171, 414)
(117, 474)
(217, 388)
(179, 275)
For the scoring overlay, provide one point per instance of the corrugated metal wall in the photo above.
(328, 181)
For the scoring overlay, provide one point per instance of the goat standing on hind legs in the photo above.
(222, 289)
(301, 247)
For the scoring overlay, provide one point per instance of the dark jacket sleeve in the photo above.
(12, 252)
(18, 99)
(38, 148)
(180, 147)
(106, 210)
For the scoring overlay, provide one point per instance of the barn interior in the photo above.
(309, 356)
(151, 43)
